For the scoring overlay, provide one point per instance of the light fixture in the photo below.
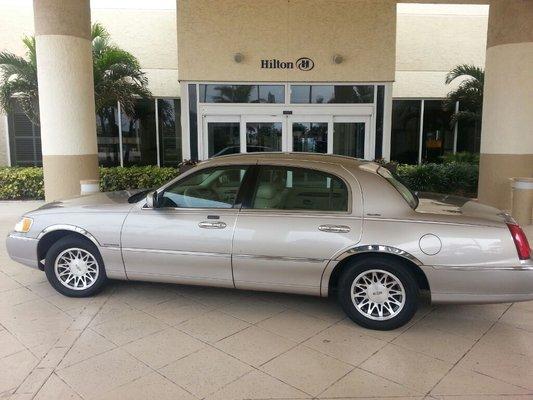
(337, 59)
(238, 57)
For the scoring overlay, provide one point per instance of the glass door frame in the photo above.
(367, 120)
(291, 119)
(203, 145)
(261, 118)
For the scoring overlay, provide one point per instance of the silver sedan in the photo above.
(299, 223)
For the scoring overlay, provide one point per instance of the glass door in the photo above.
(351, 137)
(261, 133)
(221, 135)
(309, 134)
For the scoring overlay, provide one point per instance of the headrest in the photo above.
(266, 191)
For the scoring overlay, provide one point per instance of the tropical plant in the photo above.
(469, 94)
(117, 77)
(18, 77)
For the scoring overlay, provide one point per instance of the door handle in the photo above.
(334, 228)
(212, 225)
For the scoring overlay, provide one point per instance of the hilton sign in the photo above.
(303, 64)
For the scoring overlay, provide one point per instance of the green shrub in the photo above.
(121, 178)
(27, 183)
(461, 157)
(21, 183)
(456, 178)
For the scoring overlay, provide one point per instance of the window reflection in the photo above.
(405, 131)
(263, 136)
(107, 136)
(310, 137)
(219, 93)
(349, 139)
(437, 133)
(169, 112)
(223, 138)
(332, 94)
(138, 134)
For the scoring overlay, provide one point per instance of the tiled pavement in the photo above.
(157, 341)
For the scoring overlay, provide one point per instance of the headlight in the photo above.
(24, 225)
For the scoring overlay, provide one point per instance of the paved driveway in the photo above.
(157, 341)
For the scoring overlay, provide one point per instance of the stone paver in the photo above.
(144, 340)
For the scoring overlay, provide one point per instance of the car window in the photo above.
(406, 193)
(209, 188)
(285, 188)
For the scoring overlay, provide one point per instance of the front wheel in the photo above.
(378, 293)
(74, 267)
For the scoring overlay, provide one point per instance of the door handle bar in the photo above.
(212, 225)
(334, 228)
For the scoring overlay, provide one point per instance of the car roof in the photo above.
(348, 162)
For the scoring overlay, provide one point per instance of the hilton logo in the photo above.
(303, 64)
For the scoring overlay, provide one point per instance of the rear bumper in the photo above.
(480, 284)
(22, 249)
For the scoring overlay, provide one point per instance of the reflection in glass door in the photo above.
(349, 139)
(223, 138)
(310, 136)
(263, 136)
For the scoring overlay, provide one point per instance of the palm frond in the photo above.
(467, 70)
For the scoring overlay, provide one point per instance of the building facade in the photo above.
(250, 93)
(362, 78)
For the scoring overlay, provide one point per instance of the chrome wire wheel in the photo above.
(378, 294)
(76, 269)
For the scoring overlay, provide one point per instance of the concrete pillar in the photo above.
(66, 95)
(507, 135)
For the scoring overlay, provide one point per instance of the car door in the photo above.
(294, 221)
(187, 237)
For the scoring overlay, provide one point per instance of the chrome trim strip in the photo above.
(377, 248)
(280, 258)
(15, 236)
(177, 252)
(487, 268)
(72, 228)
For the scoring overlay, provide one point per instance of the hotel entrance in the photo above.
(329, 119)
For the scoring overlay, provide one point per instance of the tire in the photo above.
(83, 276)
(378, 306)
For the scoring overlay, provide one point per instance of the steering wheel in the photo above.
(192, 193)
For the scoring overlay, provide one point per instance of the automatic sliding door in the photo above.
(309, 134)
(262, 133)
(350, 137)
(221, 136)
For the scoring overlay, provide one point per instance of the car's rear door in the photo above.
(187, 239)
(292, 223)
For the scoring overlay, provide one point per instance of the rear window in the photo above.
(406, 193)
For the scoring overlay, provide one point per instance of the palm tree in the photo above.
(469, 94)
(117, 77)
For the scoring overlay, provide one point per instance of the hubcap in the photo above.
(378, 294)
(76, 269)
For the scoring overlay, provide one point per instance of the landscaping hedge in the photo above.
(27, 183)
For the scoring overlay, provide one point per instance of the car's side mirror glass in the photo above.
(151, 200)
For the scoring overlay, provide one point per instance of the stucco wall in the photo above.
(361, 31)
(433, 39)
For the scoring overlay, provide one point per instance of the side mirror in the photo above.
(151, 200)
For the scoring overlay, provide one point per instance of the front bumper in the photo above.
(480, 284)
(22, 249)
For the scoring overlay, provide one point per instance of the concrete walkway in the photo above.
(157, 341)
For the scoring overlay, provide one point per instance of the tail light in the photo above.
(520, 241)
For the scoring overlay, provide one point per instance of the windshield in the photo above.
(406, 193)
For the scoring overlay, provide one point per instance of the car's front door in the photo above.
(187, 238)
(296, 219)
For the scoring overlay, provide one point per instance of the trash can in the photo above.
(89, 186)
(522, 195)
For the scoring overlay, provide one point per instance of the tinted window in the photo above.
(332, 94)
(409, 197)
(209, 188)
(299, 189)
(405, 130)
(218, 93)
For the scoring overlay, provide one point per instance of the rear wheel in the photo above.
(378, 293)
(74, 267)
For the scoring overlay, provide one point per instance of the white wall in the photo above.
(431, 40)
